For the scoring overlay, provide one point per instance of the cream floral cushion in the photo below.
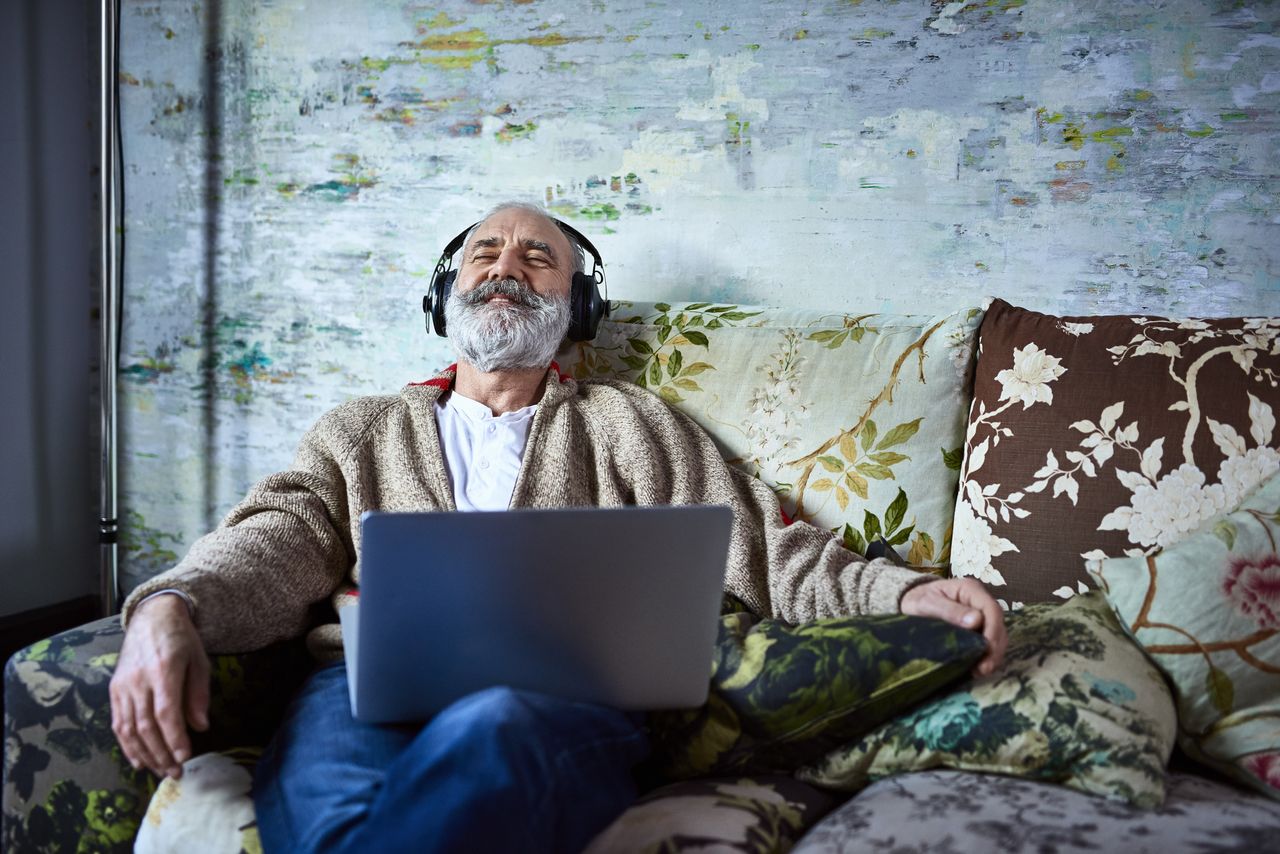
(207, 811)
(1207, 610)
(1107, 436)
(855, 421)
(754, 815)
(1076, 703)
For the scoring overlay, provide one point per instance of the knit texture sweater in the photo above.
(295, 538)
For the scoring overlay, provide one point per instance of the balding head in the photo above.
(576, 257)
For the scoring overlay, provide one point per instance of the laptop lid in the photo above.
(610, 605)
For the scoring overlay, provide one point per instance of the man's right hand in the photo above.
(161, 685)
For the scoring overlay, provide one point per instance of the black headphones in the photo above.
(586, 306)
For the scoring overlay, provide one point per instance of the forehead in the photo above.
(518, 225)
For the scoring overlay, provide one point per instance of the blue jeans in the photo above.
(499, 770)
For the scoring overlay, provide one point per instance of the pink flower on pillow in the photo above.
(1253, 584)
(1266, 767)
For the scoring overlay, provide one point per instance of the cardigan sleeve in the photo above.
(252, 580)
(791, 571)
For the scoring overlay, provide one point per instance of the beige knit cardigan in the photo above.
(295, 538)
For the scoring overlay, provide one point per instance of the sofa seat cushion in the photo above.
(945, 810)
(210, 811)
(752, 814)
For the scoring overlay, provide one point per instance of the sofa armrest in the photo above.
(67, 784)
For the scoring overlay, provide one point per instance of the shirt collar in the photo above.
(559, 385)
(474, 410)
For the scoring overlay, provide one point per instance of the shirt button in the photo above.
(493, 428)
(484, 464)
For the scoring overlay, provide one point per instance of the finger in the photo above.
(944, 608)
(141, 716)
(130, 741)
(993, 631)
(173, 725)
(976, 596)
(150, 734)
(197, 694)
(1000, 645)
(1000, 634)
(122, 724)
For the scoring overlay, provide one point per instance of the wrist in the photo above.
(162, 603)
(914, 592)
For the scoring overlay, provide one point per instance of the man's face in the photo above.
(509, 309)
(520, 245)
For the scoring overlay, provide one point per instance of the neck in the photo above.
(501, 391)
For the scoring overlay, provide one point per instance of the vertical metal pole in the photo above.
(110, 263)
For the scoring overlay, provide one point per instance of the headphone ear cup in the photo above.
(434, 302)
(586, 307)
(577, 309)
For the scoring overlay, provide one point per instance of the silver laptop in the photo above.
(616, 606)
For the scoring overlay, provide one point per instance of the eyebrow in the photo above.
(491, 242)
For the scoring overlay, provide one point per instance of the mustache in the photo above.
(509, 288)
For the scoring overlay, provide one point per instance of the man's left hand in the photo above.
(966, 603)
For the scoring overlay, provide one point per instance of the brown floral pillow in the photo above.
(1107, 436)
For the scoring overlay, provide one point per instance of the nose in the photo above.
(507, 266)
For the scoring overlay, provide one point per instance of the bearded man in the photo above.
(503, 769)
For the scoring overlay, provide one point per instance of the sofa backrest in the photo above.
(855, 421)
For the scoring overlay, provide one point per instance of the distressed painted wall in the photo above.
(293, 168)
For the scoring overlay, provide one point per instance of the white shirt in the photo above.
(482, 452)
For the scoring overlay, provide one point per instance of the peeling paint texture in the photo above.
(293, 168)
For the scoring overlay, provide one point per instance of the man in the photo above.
(503, 769)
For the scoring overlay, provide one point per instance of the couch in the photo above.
(941, 438)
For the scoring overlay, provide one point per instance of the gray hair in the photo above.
(577, 256)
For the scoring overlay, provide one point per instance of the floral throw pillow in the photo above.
(1207, 610)
(1076, 703)
(854, 420)
(1107, 436)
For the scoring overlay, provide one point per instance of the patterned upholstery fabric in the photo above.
(67, 786)
(783, 695)
(1076, 703)
(209, 809)
(856, 421)
(211, 806)
(951, 811)
(1105, 436)
(759, 815)
(1207, 611)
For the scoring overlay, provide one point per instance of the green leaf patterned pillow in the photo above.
(782, 695)
(1076, 703)
(1207, 610)
(855, 420)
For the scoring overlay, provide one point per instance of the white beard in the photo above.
(506, 336)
